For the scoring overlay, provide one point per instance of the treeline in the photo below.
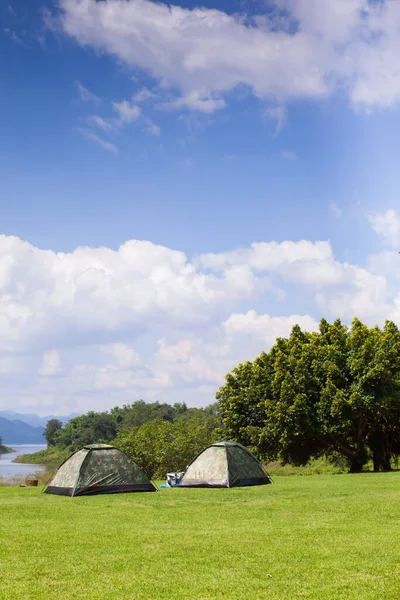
(159, 437)
(335, 392)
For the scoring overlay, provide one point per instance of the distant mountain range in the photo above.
(34, 420)
(17, 428)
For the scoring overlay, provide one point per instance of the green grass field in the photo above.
(320, 537)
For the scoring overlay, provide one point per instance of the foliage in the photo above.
(336, 391)
(160, 437)
(140, 412)
(48, 456)
(320, 538)
(51, 430)
(161, 446)
(4, 449)
(86, 429)
(315, 466)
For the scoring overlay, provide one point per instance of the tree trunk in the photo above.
(356, 463)
(385, 462)
(381, 458)
(377, 460)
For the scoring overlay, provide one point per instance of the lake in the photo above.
(9, 470)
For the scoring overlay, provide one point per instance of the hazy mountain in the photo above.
(18, 432)
(32, 419)
(17, 428)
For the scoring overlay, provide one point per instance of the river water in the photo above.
(9, 470)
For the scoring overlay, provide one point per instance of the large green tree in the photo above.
(53, 426)
(335, 391)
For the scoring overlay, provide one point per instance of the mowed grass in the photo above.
(331, 537)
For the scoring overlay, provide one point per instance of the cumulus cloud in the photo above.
(265, 328)
(340, 288)
(145, 321)
(95, 293)
(263, 256)
(303, 49)
(44, 294)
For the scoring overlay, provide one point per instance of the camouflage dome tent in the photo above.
(224, 464)
(98, 469)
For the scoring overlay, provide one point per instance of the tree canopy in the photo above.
(160, 437)
(160, 446)
(50, 432)
(89, 428)
(335, 391)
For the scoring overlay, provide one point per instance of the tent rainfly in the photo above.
(98, 469)
(224, 464)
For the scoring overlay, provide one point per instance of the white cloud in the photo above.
(124, 354)
(89, 135)
(100, 122)
(321, 46)
(361, 294)
(387, 225)
(127, 111)
(266, 328)
(175, 353)
(279, 114)
(152, 127)
(50, 363)
(340, 288)
(46, 295)
(86, 95)
(200, 100)
(385, 263)
(143, 94)
(144, 321)
(262, 256)
(242, 336)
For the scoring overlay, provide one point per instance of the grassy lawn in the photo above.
(320, 537)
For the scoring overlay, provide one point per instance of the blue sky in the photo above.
(199, 130)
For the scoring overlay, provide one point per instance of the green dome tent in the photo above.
(98, 469)
(224, 464)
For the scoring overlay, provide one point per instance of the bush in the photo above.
(162, 446)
